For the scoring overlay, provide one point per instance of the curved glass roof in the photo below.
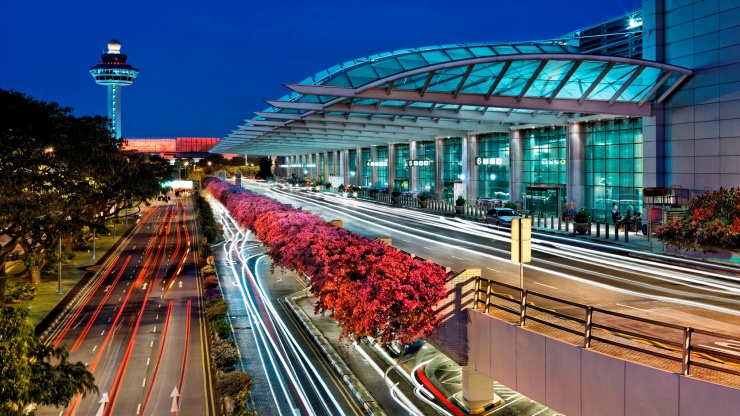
(491, 84)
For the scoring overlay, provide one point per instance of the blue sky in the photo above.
(205, 66)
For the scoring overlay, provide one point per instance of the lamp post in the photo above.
(59, 279)
(93, 256)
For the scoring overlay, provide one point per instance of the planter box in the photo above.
(460, 209)
(424, 203)
(580, 227)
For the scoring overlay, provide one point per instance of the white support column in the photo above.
(373, 169)
(476, 386)
(575, 166)
(358, 167)
(471, 174)
(438, 174)
(344, 166)
(413, 170)
(516, 166)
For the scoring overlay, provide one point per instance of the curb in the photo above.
(469, 411)
(361, 394)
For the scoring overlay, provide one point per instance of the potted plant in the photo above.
(460, 205)
(423, 199)
(395, 194)
(581, 221)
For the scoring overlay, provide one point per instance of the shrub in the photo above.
(222, 328)
(234, 384)
(510, 204)
(582, 216)
(216, 310)
(17, 292)
(460, 201)
(423, 196)
(208, 270)
(224, 354)
(214, 293)
(210, 282)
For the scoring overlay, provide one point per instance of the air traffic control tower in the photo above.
(114, 73)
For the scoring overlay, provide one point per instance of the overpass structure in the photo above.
(649, 99)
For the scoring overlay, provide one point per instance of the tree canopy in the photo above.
(61, 173)
(711, 222)
(31, 372)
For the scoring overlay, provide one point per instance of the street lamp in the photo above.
(59, 279)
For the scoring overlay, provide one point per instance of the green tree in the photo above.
(31, 372)
(61, 173)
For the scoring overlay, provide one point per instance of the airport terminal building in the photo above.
(650, 99)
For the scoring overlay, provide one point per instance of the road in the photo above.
(580, 271)
(138, 324)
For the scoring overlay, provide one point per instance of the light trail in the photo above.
(478, 250)
(281, 341)
(148, 394)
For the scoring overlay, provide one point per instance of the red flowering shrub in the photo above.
(371, 289)
(712, 221)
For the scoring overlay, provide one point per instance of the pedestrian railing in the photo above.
(700, 353)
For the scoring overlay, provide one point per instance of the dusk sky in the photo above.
(205, 66)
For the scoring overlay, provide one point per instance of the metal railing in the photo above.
(588, 325)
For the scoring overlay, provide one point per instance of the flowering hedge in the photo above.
(371, 289)
(712, 221)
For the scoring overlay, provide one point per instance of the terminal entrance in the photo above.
(545, 199)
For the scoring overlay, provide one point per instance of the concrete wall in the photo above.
(451, 336)
(576, 381)
(700, 140)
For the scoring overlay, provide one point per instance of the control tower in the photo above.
(114, 73)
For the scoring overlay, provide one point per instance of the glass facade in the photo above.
(544, 159)
(451, 165)
(613, 167)
(330, 163)
(493, 169)
(425, 174)
(381, 155)
(367, 170)
(400, 163)
(320, 165)
(352, 166)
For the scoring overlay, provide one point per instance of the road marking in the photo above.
(156, 318)
(109, 318)
(631, 307)
(428, 248)
(542, 284)
(138, 408)
(102, 333)
(151, 345)
(458, 258)
(95, 348)
(143, 383)
(497, 271)
(147, 360)
(155, 330)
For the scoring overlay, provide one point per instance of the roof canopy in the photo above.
(451, 90)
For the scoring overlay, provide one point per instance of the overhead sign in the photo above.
(495, 161)
(420, 162)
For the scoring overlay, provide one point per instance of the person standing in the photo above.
(615, 212)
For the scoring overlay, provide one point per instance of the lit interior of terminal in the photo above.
(591, 118)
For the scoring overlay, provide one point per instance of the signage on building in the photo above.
(380, 163)
(553, 161)
(420, 163)
(299, 165)
(495, 161)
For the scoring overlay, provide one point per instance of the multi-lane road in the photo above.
(138, 325)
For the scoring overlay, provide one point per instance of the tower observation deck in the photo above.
(114, 73)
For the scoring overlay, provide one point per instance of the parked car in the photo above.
(397, 349)
(501, 217)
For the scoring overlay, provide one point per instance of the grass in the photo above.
(46, 292)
